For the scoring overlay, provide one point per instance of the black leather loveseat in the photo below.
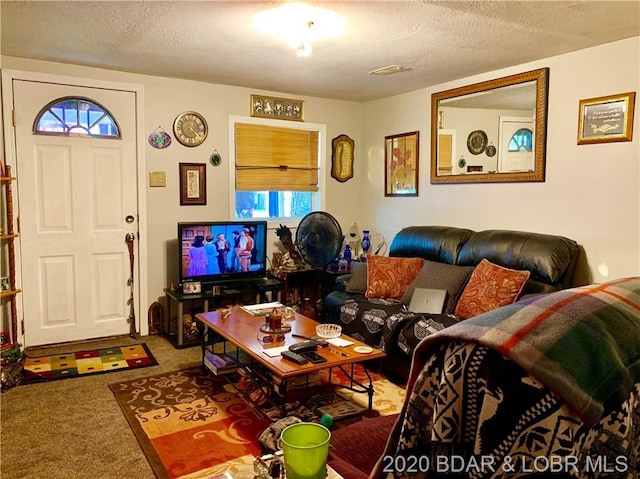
(451, 255)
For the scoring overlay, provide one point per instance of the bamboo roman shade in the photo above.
(275, 159)
(445, 153)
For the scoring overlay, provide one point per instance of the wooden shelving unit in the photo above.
(8, 239)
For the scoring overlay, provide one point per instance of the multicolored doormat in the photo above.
(82, 363)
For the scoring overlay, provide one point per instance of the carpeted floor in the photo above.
(75, 428)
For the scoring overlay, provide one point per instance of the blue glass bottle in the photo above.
(366, 242)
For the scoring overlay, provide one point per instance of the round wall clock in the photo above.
(477, 142)
(190, 128)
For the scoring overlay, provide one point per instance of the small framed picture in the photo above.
(606, 119)
(192, 287)
(401, 164)
(193, 184)
(4, 283)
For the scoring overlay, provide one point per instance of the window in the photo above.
(522, 140)
(75, 116)
(273, 204)
(276, 173)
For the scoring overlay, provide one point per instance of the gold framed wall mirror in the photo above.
(491, 132)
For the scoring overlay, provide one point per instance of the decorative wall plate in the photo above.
(477, 142)
(159, 138)
(215, 159)
(491, 151)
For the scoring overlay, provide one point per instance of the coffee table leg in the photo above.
(203, 345)
(283, 392)
(361, 388)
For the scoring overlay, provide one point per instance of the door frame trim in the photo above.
(8, 76)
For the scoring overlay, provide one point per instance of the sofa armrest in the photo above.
(342, 281)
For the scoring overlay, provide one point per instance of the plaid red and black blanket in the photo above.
(583, 343)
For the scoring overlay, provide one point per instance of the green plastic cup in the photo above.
(305, 446)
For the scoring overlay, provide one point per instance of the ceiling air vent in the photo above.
(389, 70)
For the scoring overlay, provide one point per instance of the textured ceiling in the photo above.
(214, 41)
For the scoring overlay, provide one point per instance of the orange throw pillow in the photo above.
(389, 277)
(490, 287)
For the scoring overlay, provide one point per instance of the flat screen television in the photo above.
(216, 252)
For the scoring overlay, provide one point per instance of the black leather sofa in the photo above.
(550, 259)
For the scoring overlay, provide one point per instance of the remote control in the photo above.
(314, 357)
(295, 357)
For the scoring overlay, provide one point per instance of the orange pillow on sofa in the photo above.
(389, 277)
(490, 287)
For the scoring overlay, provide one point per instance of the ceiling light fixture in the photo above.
(303, 50)
(299, 25)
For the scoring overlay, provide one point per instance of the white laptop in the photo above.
(427, 301)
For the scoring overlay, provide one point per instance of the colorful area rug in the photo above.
(192, 426)
(82, 363)
(387, 398)
(186, 422)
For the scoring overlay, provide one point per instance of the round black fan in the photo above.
(319, 238)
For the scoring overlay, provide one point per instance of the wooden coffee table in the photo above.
(243, 330)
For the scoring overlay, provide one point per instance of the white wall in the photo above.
(591, 193)
(165, 98)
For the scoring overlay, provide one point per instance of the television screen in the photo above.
(215, 252)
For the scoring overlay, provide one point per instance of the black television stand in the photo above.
(244, 286)
(252, 291)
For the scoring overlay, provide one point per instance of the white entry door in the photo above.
(74, 195)
(517, 160)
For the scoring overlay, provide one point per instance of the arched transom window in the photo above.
(74, 116)
(522, 140)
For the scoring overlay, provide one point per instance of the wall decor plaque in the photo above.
(193, 184)
(281, 108)
(606, 119)
(342, 149)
